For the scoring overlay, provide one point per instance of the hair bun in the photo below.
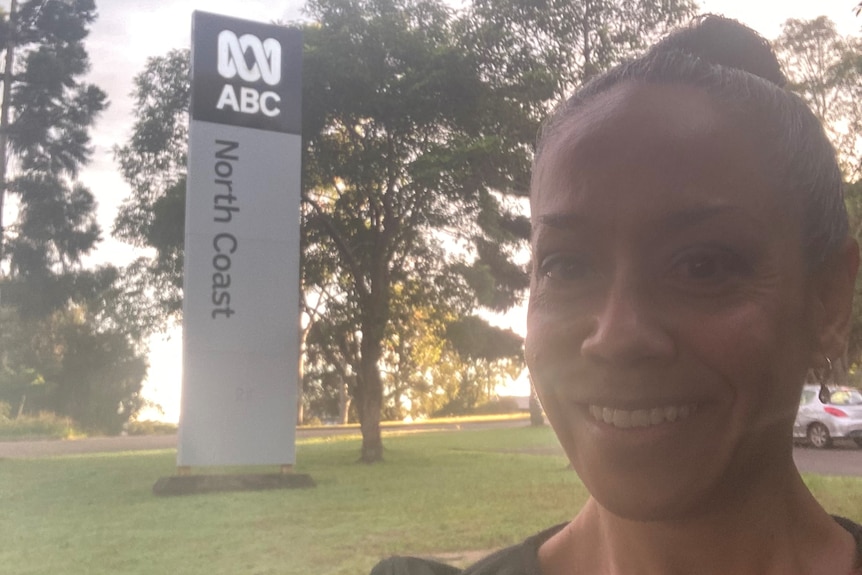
(725, 42)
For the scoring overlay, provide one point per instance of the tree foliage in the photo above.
(71, 364)
(47, 137)
(563, 43)
(153, 163)
(65, 346)
(825, 69)
(408, 159)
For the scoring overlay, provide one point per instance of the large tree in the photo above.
(44, 122)
(825, 69)
(563, 42)
(64, 341)
(409, 158)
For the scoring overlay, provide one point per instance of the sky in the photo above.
(128, 32)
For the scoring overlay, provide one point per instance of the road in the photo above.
(53, 447)
(843, 459)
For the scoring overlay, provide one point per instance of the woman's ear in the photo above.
(834, 286)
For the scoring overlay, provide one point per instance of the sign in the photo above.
(241, 286)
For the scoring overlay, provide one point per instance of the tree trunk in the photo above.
(369, 423)
(370, 397)
(343, 403)
(300, 389)
(4, 116)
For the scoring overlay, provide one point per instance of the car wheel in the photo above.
(818, 436)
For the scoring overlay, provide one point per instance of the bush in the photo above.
(495, 406)
(149, 427)
(44, 425)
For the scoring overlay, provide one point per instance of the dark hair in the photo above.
(738, 68)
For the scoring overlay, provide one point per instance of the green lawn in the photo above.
(436, 492)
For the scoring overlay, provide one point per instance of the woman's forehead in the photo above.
(636, 132)
(651, 151)
(647, 107)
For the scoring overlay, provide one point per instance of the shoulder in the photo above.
(856, 531)
(413, 566)
(520, 559)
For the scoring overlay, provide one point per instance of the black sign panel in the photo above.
(246, 73)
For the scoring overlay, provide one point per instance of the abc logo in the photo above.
(265, 66)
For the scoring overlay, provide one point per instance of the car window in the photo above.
(846, 397)
(807, 396)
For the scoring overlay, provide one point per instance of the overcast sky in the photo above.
(127, 32)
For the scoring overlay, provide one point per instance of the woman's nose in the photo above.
(627, 328)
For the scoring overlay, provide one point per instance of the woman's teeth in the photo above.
(641, 417)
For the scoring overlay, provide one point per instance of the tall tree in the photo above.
(563, 42)
(825, 69)
(409, 157)
(47, 296)
(48, 112)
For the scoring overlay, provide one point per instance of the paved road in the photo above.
(52, 447)
(843, 459)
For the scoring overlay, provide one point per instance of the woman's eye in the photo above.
(565, 268)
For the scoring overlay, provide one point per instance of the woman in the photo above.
(691, 263)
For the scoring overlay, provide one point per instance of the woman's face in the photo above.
(668, 325)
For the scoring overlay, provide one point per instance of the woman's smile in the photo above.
(626, 419)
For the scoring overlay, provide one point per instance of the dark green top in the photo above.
(523, 559)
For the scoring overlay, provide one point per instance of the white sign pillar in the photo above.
(241, 286)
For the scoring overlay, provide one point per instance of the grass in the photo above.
(42, 426)
(436, 492)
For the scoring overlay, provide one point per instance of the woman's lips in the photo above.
(626, 419)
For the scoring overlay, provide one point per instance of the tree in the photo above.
(153, 162)
(46, 114)
(47, 296)
(564, 43)
(408, 157)
(77, 361)
(825, 69)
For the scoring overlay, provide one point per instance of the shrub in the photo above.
(495, 406)
(149, 427)
(41, 426)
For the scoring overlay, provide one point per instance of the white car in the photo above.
(820, 422)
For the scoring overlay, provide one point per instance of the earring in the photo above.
(824, 394)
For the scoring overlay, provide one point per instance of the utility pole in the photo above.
(4, 116)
